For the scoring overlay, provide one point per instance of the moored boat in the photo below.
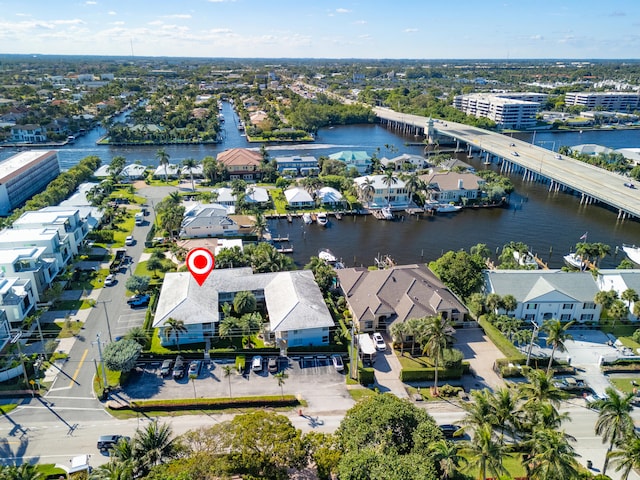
(306, 218)
(574, 260)
(447, 208)
(525, 260)
(326, 255)
(386, 213)
(322, 219)
(632, 252)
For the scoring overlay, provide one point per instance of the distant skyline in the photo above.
(412, 29)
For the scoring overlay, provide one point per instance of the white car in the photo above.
(379, 342)
(129, 241)
(110, 280)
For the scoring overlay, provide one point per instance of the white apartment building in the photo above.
(24, 175)
(611, 101)
(46, 237)
(32, 264)
(506, 112)
(72, 229)
(16, 299)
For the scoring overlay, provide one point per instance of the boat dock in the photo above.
(283, 249)
(280, 239)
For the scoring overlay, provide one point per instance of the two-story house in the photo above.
(46, 237)
(360, 160)
(30, 263)
(28, 134)
(298, 166)
(240, 163)
(71, 227)
(450, 186)
(207, 220)
(16, 299)
(377, 192)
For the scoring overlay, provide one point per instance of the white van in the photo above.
(139, 218)
(256, 363)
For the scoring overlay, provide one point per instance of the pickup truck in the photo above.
(115, 265)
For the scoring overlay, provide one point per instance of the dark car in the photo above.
(107, 442)
(139, 301)
(449, 430)
(272, 364)
(165, 369)
(179, 368)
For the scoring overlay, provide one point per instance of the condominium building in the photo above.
(506, 111)
(24, 175)
(611, 101)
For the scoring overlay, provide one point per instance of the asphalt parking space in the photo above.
(127, 321)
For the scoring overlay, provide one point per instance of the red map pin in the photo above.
(200, 262)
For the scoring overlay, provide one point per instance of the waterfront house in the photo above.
(378, 298)
(298, 197)
(207, 220)
(546, 294)
(170, 170)
(17, 300)
(129, 173)
(394, 195)
(330, 197)
(454, 164)
(241, 163)
(224, 196)
(404, 162)
(297, 166)
(28, 134)
(297, 314)
(620, 280)
(360, 160)
(257, 196)
(450, 186)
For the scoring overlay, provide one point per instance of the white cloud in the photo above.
(342, 10)
(360, 22)
(410, 30)
(536, 37)
(117, 23)
(111, 13)
(90, 3)
(178, 15)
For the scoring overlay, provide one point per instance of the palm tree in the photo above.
(412, 327)
(397, 331)
(618, 311)
(437, 335)
(505, 410)
(614, 421)
(486, 452)
(260, 225)
(413, 184)
(627, 458)
(540, 388)
(226, 370)
(550, 456)
(175, 327)
(556, 336)
(389, 179)
(154, 444)
(113, 470)
(630, 296)
(366, 190)
(281, 377)
(139, 335)
(163, 160)
(493, 302)
(446, 456)
(479, 411)
(189, 164)
(25, 471)
(509, 303)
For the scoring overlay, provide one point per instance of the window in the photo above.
(532, 306)
(529, 317)
(589, 306)
(565, 317)
(325, 339)
(567, 306)
(586, 317)
(368, 325)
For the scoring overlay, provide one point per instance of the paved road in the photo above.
(600, 184)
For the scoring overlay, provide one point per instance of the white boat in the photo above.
(322, 219)
(306, 218)
(386, 213)
(574, 261)
(526, 260)
(326, 255)
(632, 252)
(447, 208)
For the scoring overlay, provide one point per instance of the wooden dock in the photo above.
(282, 249)
(281, 239)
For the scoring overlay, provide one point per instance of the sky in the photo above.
(372, 29)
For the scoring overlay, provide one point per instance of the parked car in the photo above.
(256, 363)
(110, 280)
(272, 364)
(338, 364)
(179, 368)
(379, 342)
(194, 367)
(449, 430)
(129, 241)
(107, 442)
(515, 154)
(165, 369)
(139, 300)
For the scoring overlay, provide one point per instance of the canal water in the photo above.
(550, 223)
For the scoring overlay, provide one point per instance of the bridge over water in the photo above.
(534, 163)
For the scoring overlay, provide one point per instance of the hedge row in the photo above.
(209, 403)
(427, 374)
(500, 341)
(366, 376)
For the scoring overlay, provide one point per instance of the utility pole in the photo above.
(16, 340)
(534, 334)
(104, 370)
(104, 305)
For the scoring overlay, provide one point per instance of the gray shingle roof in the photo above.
(531, 285)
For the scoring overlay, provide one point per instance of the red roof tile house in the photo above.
(242, 164)
(378, 298)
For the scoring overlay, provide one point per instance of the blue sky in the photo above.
(422, 29)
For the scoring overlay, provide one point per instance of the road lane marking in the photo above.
(75, 375)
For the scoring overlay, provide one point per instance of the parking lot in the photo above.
(312, 378)
(128, 320)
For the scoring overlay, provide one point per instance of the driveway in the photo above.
(481, 354)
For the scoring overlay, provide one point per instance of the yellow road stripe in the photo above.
(75, 375)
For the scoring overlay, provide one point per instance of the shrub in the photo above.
(449, 390)
(366, 376)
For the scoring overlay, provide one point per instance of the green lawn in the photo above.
(279, 200)
(68, 328)
(359, 393)
(512, 464)
(407, 361)
(624, 384)
(4, 409)
(125, 227)
(73, 304)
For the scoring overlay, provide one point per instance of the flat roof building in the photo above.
(611, 101)
(24, 175)
(506, 111)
